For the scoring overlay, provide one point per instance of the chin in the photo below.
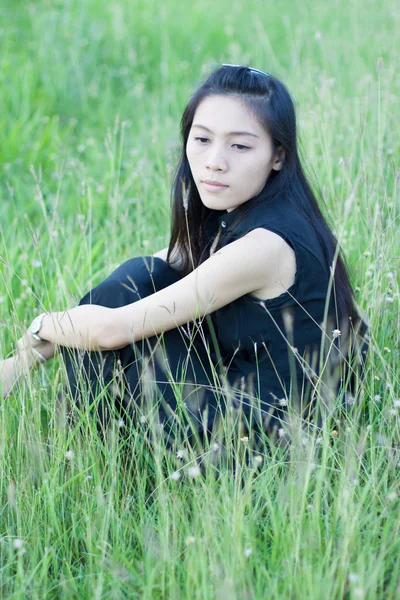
(214, 204)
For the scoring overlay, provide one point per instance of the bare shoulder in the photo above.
(260, 245)
(276, 260)
(268, 239)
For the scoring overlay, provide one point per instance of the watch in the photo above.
(35, 326)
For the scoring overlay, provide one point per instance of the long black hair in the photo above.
(270, 103)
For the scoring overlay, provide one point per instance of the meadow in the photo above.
(91, 94)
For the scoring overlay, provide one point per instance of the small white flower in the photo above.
(69, 455)
(190, 540)
(392, 496)
(352, 577)
(244, 439)
(319, 441)
(143, 419)
(310, 506)
(282, 402)
(180, 454)
(89, 477)
(281, 432)
(336, 333)
(18, 544)
(248, 552)
(175, 475)
(258, 459)
(396, 403)
(377, 398)
(121, 423)
(36, 263)
(358, 593)
(215, 447)
(389, 299)
(388, 386)
(193, 472)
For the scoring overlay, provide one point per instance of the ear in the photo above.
(279, 159)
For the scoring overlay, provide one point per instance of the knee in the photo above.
(111, 294)
(136, 278)
(144, 275)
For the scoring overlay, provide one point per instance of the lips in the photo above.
(215, 183)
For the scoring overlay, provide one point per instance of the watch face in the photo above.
(35, 325)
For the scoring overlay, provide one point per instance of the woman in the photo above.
(249, 306)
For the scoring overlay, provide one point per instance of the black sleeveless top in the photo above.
(272, 346)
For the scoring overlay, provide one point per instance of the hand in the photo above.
(27, 342)
(19, 365)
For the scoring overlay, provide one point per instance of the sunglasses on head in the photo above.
(249, 68)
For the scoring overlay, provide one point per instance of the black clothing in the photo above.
(258, 337)
(259, 346)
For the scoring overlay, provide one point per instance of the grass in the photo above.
(91, 95)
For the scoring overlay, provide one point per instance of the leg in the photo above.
(148, 369)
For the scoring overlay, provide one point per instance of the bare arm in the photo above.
(239, 268)
(19, 365)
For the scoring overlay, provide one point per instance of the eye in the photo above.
(241, 147)
(204, 140)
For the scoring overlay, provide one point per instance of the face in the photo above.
(228, 146)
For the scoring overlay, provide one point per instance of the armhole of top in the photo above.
(289, 292)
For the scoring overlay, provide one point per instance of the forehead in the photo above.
(224, 114)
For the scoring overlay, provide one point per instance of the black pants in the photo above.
(168, 379)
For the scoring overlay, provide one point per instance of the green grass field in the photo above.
(91, 94)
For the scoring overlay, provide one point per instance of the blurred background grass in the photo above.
(91, 94)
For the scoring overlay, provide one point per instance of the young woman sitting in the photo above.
(249, 307)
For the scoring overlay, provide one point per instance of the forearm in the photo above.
(148, 317)
(11, 369)
(81, 327)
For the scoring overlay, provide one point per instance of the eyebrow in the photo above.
(231, 133)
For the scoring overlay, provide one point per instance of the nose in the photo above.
(216, 160)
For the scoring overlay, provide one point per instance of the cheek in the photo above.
(191, 153)
(189, 157)
(261, 169)
(253, 171)
(254, 177)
